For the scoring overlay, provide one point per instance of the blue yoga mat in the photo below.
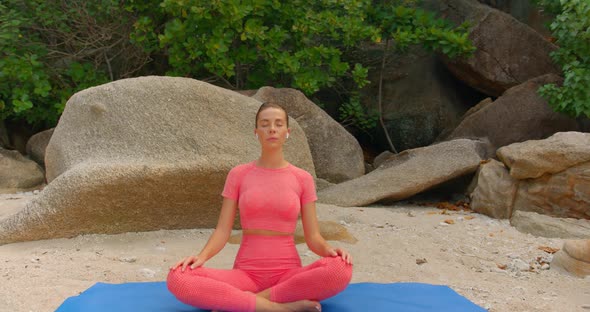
(154, 296)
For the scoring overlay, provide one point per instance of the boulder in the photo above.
(565, 194)
(18, 173)
(337, 156)
(573, 258)
(507, 53)
(495, 190)
(525, 11)
(381, 158)
(143, 154)
(546, 226)
(521, 110)
(37, 144)
(408, 173)
(534, 158)
(420, 99)
(547, 176)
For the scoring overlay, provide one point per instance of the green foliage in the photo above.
(353, 113)
(50, 50)
(571, 28)
(549, 6)
(23, 77)
(248, 44)
(408, 26)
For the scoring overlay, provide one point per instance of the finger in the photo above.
(177, 264)
(187, 261)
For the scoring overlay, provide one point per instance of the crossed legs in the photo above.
(297, 289)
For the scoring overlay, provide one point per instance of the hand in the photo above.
(335, 252)
(193, 261)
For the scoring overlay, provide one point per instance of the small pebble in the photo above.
(586, 306)
(518, 265)
(147, 272)
(128, 259)
(512, 256)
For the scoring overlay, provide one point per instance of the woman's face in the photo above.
(272, 127)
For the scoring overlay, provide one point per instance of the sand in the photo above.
(484, 259)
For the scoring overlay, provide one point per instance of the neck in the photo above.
(272, 159)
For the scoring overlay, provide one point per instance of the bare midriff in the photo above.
(264, 232)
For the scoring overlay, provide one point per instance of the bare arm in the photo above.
(217, 240)
(313, 237)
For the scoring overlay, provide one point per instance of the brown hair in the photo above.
(266, 105)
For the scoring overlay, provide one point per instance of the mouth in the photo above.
(272, 139)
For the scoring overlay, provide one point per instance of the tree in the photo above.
(571, 29)
(247, 44)
(301, 44)
(406, 26)
(52, 49)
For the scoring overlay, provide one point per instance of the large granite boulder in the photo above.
(37, 144)
(565, 194)
(534, 158)
(550, 177)
(337, 156)
(546, 226)
(408, 173)
(18, 173)
(526, 11)
(420, 99)
(573, 258)
(520, 114)
(495, 190)
(508, 52)
(143, 154)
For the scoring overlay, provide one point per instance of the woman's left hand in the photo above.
(335, 252)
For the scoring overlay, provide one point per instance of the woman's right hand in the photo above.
(192, 261)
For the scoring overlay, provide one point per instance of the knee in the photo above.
(180, 284)
(174, 282)
(341, 272)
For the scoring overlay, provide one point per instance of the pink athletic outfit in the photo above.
(268, 199)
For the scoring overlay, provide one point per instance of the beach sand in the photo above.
(481, 258)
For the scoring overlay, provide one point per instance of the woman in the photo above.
(267, 273)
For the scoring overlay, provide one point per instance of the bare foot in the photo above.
(265, 305)
(303, 306)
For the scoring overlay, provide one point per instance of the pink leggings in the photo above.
(262, 262)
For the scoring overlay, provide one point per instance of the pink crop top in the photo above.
(269, 199)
